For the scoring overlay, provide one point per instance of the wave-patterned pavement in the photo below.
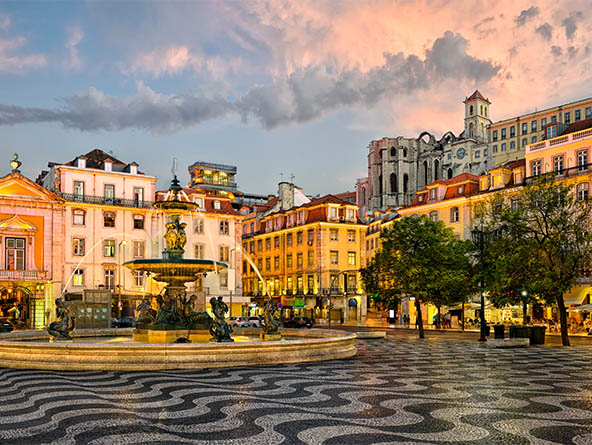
(437, 391)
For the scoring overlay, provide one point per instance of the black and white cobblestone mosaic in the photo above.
(397, 390)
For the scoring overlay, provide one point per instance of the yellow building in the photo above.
(309, 257)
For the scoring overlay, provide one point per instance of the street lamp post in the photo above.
(119, 254)
(479, 237)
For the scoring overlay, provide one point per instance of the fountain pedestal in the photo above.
(275, 336)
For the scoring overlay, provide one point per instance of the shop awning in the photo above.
(582, 308)
(576, 295)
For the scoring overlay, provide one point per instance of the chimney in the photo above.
(81, 162)
(286, 195)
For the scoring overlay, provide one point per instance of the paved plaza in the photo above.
(397, 390)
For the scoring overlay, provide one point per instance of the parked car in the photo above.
(298, 322)
(126, 322)
(255, 322)
(5, 325)
(241, 322)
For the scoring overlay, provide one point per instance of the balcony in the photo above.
(23, 274)
(565, 173)
(559, 140)
(101, 200)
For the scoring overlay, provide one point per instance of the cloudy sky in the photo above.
(293, 87)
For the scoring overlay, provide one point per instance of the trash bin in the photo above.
(498, 331)
(487, 330)
(537, 336)
(527, 332)
(513, 333)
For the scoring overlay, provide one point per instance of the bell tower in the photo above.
(476, 116)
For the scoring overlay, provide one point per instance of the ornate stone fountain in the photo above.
(173, 318)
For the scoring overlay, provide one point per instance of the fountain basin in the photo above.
(31, 350)
(174, 271)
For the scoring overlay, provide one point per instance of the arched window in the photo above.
(450, 173)
(470, 129)
(434, 216)
(393, 152)
(425, 172)
(485, 111)
(405, 183)
(363, 196)
(380, 153)
(583, 191)
(394, 186)
(481, 109)
(404, 152)
(471, 110)
(436, 168)
(454, 214)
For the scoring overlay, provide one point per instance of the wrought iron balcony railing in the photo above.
(120, 202)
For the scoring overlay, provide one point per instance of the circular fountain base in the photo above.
(32, 350)
(156, 336)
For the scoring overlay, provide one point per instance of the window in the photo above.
(198, 225)
(289, 260)
(78, 247)
(310, 258)
(267, 243)
(485, 152)
(567, 117)
(333, 234)
(223, 227)
(216, 205)
(535, 168)
(495, 148)
(460, 189)
(267, 263)
(477, 154)
(139, 249)
(543, 122)
(289, 239)
(433, 194)
(260, 264)
(577, 115)
(533, 139)
(588, 112)
(512, 145)
(496, 180)
(299, 261)
(198, 251)
(299, 285)
(109, 193)
(582, 159)
(524, 127)
(583, 191)
(350, 214)
(311, 284)
(252, 247)
(334, 255)
(434, 216)
(494, 135)
(351, 236)
(138, 221)
(503, 133)
(138, 278)
(223, 279)
(138, 196)
(351, 258)
(109, 219)
(333, 212)
(504, 146)
(276, 242)
(78, 217)
(108, 248)
(454, 214)
(15, 253)
(78, 278)
(310, 236)
(78, 190)
(533, 126)
(524, 142)
(199, 201)
(109, 279)
(225, 253)
(558, 164)
(276, 262)
(259, 245)
(299, 238)
(405, 183)
(512, 131)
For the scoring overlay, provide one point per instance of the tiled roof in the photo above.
(579, 126)
(347, 196)
(470, 188)
(511, 165)
(95, 159)
(476, 95)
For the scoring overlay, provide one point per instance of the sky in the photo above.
(277, 88)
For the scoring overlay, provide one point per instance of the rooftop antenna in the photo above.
(174, 168)
(292, 178)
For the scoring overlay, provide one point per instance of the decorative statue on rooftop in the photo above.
(64, 324)
(270, 316)
(219, 329)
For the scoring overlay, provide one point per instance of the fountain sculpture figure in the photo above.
(271, 322)
(65, 323)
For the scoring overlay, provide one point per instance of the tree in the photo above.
(546, 238)
(414, 254)
(377, 282)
